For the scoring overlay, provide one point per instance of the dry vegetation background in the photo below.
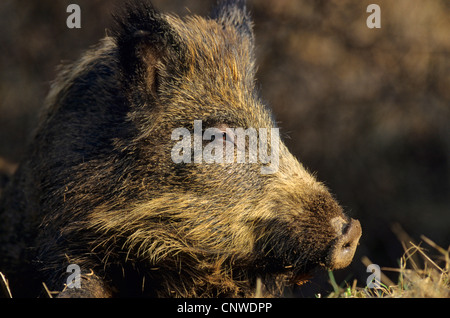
(367, 110)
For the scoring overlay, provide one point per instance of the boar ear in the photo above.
(234, 13)
(147, 45)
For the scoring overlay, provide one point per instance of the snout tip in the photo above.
(344, 248)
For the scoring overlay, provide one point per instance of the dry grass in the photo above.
(5, 292)
(420, 275)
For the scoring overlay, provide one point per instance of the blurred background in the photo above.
(366, 110)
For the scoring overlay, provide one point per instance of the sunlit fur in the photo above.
(98, 187)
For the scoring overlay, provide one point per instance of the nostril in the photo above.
(339, 225)
(346, 245)
(345, 228)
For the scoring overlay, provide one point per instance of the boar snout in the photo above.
(343, 250)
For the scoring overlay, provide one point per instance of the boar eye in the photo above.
(228, 136)
(225, 137)
(225, 133)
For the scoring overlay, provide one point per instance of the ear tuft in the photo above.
(234, 13)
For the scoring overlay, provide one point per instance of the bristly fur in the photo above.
(139, 27)
(99, 189)
(234, 13)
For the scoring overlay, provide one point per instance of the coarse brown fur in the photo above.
(99, 189)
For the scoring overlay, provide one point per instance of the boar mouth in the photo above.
(298, 272)
(294, 254)
(298, 278)
(288, 259)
